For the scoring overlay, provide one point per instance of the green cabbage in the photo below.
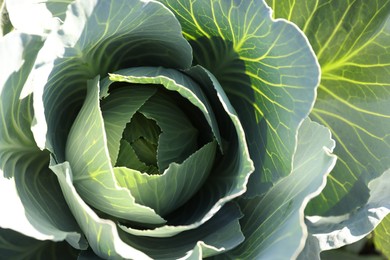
(167, 129)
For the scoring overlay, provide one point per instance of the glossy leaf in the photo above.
(353, 48)
(266, 68)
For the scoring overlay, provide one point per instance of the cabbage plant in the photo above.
(143, 129)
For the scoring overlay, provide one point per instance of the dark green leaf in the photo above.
(15, 246)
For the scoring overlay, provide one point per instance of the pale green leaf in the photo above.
(273, 225)
(267, 69)
(179, 82)
(93, 176)
(5, 23)
(179, 137)
(353, 48)
(117, 109)
(382, 236)
(229, 177)
(102, 234)
(18, 52)
(175, 186)
(129, 159)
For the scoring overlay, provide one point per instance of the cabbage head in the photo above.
(145, 129)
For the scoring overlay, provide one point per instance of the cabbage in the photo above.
(167, 129)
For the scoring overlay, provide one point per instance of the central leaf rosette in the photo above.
(162, 156)
(150, 144)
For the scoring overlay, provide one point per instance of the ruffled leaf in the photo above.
(273, 225)
(337, 231)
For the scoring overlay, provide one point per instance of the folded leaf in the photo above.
(175, 186)
(337, 231)
(93, 175)
(273, 225)
(221, 233)
(117, 110)
(102, 234)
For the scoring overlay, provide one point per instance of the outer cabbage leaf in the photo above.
(343, 254)
(29, 192)
(353, 48)
(337, 231)
(218, 234)
(102, 234)
(273, 225)
(267, 69)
